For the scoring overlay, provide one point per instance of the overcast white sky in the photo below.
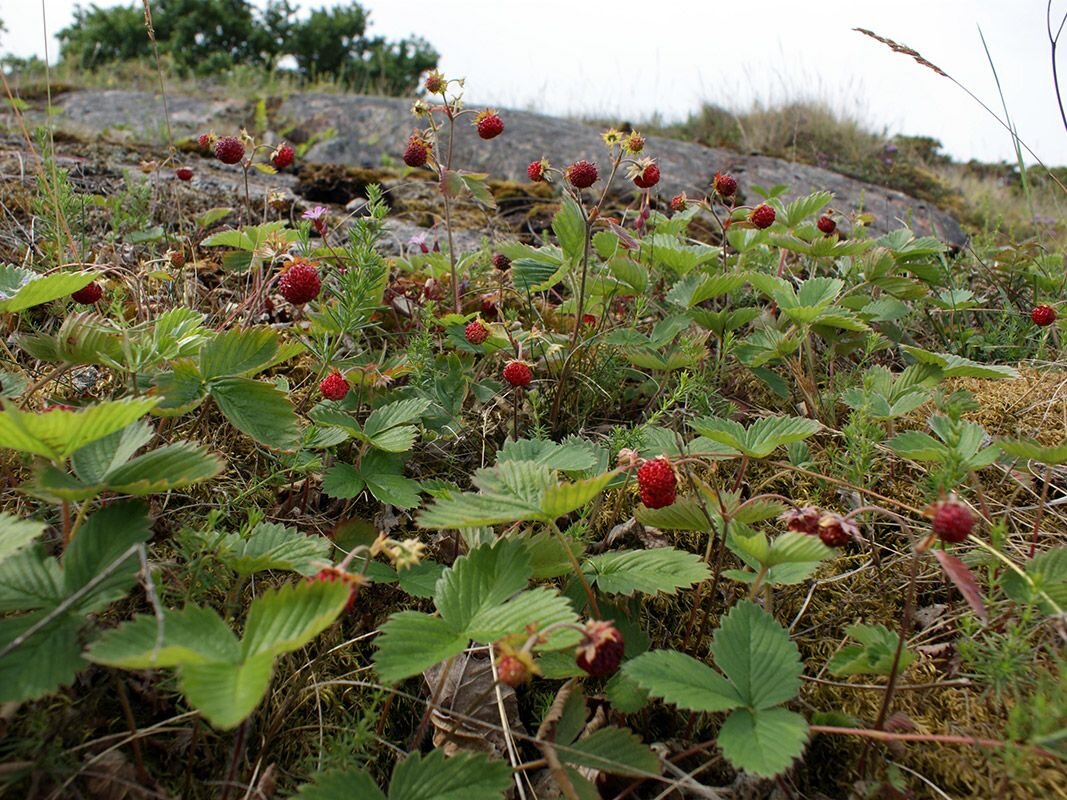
(634, 59)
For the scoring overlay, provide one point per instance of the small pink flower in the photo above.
(317, 215)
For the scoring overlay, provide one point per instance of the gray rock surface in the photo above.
(372, 131)
(369, 128)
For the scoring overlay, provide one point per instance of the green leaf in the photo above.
(762, 438)
(797, 548)
(412, 641)
(764, 742)
(464, 776)
(683, 681)
(285, 619)
(1035, 451)
(757, 656)
(193, 635)
(918, 446)
(567, 497)
(535, 275)
(16, 533)
(681, 515)
(569, 226)
(240, 351)
(173, 466)
(485, 577)
(342, 481)
(58, 433)
(402, 412)
(21, 289)
(659, 570)
(572, 455)
(28, 580)
(873, 656)
(98, 547)
(394, 490)
(93, 462)
(538, 608)
(349, 784)
(953, 366)
(274, 546)
(613, 750)
(510, 492)
(46, 660)
(1045, 582)
(258, 409)
(226, 693)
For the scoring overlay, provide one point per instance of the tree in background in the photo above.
(206, 37)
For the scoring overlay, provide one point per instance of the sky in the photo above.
(633, 60)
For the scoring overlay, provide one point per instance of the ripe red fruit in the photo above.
(184, 173)
(229, 150)
(332, 574)
(657, 483)
(601, 649)
(89, 294)
(581, 174)
(501, 261)
(536, 171)
(1043, 315)
(476, 332)
(826, 225)
(802, 520)
(679, 202)
(725, 186)
(489, 124)
(204, 140)
(647, 178)
(417, 152)
(283, 156)
(953, 521)
(177, 258)
(510, 671)
(334, 386)
(836, 531)
(518, 373)
(300, 283)
(762, 216)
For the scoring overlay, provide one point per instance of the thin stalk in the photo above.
(593, 607)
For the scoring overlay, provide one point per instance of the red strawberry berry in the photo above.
(725, 186)
(518, 373)
(953, 521)
(177, 258)
(581, 174)
(334, 574)
(826, 225)
(334, 386)
(836, 531)
(501, 261)
(537, 170)
(634, 143)
(489, 124)
(204, 140)
(762, 216)
(510, 671)
(283, 156)
(679, 202)
(647, 178)
(229, 150)
(184, 173)
(601, 649)
(300, 283)
(476, 332)
(435, 82)
(1043, 315)
(89, 294)
(802, 520)
(417, 152)
(657, 483)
